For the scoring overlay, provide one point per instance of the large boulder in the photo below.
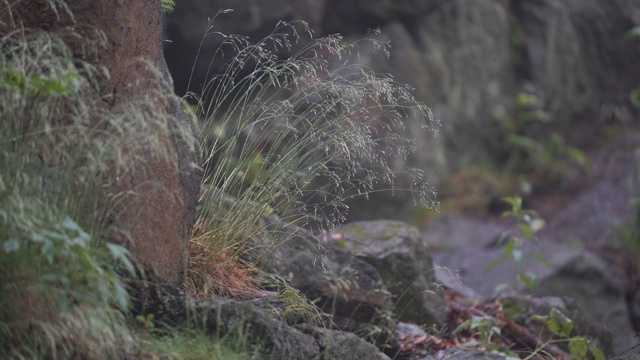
(347, 288)
(401, 255)
(269, 337)
(341, 345)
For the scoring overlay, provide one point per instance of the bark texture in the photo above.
(156, 212)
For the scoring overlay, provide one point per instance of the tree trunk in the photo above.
(157, 213)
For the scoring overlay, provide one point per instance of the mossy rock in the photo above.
(297, 309)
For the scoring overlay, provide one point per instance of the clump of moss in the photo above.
(296, 310)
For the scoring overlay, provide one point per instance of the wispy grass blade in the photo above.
(297, 136)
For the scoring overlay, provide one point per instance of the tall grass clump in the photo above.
(288, 140)
(62, 154)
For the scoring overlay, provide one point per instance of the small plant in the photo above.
(485, 326)
(543, 162)
(560, 326)
(287, 141)
(527, 223)
(167, 6)
(146, 321)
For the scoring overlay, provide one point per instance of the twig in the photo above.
(520, 334)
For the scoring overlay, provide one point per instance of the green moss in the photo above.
(297, 310)
(340, 243)
(191, 344)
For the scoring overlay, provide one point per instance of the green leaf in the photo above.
(50, 277)
(464, 326)
(526, 230)
(501, 287)
(517, 256)
(542, 318)
(634, 97)
(496, 330)
(63, 302)
(529, 280)
(122, 297)
(541, 260)
(504, 235)
(493, 264)
(597, 353)
(578, 348)
(634, 32)
(167, 6)
(508, 249)
(35, 237)
(11, 245)
(69, 224)
(48, 251)
(121, 254)
(559, 324)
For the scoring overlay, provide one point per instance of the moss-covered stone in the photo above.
(296, 309)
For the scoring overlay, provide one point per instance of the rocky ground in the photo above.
(583, 218)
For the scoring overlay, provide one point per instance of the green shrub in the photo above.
(61, 158)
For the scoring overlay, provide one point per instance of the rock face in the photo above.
(574, 76)
(467, 60)
(339, 15)
(401, 255)
(342, 345)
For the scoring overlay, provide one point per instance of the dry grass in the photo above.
(218, 271)
(295, 138)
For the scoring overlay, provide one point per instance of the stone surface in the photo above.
(223, 317)
(347, 17)
(575, 77)
(272, 339)
(342, 285)
(465, 49)
(588, 280)
(402, 257)
(342, 345)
